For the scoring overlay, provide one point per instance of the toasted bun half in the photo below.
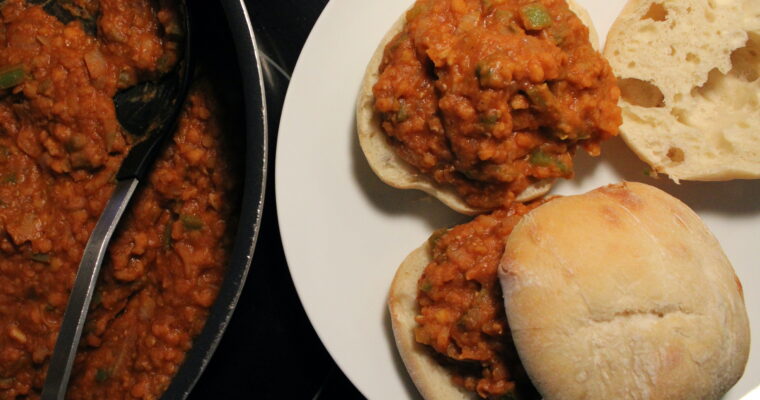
(688, 72)
(432, 380)
(391, 168)
(623, 293)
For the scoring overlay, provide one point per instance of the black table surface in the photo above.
(270, 349)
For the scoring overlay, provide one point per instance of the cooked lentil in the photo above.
(461, 310)
(470, 90)
(60, 148)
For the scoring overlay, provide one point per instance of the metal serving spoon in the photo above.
(149, 109)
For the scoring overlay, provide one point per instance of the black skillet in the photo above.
(224, 45)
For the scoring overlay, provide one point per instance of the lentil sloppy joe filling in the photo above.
(461, 310)
(60, 148)
(491, 96)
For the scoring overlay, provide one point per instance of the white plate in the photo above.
(345, 232)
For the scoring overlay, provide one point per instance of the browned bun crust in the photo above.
(623, 292)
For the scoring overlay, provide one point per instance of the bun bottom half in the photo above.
(432, 380)
(390, 167)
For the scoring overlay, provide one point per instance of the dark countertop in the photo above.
(270, 349)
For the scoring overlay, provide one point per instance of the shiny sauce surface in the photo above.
(60, 148)
(491, 96)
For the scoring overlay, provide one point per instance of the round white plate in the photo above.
(345, 232)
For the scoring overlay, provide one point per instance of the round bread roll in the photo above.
(390, 167)
(688, 72)
(623, 293)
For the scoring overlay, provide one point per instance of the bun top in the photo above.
(688, 73)
(623, 293)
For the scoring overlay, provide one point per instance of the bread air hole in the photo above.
(712, 87)
(641, 93)
(680, 114)
(692, 58)
(656, 12)
(746, 60)
(745, 67)
(676, 155)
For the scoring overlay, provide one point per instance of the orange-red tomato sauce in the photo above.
(490, 96)
(60, 148)
(461, 310)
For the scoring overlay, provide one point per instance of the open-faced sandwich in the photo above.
(484, 102)
(619, 293)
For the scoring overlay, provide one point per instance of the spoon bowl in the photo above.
(151, 108)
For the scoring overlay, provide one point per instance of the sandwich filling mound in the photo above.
(461, 312)
(491, 96)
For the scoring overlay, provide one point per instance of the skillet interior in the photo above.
(225, 47)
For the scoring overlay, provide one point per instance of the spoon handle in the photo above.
(66, 344)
